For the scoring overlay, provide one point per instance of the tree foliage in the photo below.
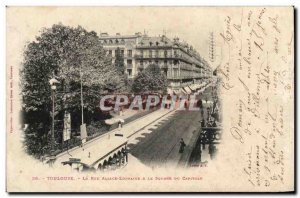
(150, 79)
(64, 53)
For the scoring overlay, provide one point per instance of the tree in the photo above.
(66, 53)
(119, 61)
(152, 79)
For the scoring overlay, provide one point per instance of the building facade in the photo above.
(182, 64)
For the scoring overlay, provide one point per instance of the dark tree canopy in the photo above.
(64, 52)
(151, 79)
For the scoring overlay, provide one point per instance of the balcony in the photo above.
(147, 56)
(138, 56)
(164, 66)
(169, 77)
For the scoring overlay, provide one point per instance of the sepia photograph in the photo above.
(150, 99)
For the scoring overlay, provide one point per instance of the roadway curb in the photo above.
(110, 132)
(184, 160)
(150, 123)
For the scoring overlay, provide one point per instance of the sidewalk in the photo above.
(128, 116)
(103, 144)
(134, 126)
(124, 114)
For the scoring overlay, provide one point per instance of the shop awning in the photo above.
(170, 91)
(187, 90)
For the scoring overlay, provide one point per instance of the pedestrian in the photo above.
(119, 124)
(185, 104)
(208, 112)
(202, 113)
(199, 104)
(203, 123)
(214, 123)
(182, 145)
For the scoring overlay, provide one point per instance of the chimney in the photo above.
(104, 34)
(138, 34)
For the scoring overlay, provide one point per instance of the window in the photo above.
(117, 41)
(122, 52)
(141, 62)
(166, 53)
(129, 71)
(150, 43)
(129, 62)
(175, 52)
(150, 53)
(175, 72)
(156, 53)
(142, 53)
(156, 62)
(165, 63)
(110, 52)
(157, 43)
(110, 41)
(165, 71)
(129, 53)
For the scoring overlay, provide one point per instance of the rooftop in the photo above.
(154, 41)
(105, 35)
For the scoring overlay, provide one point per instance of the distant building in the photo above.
(178, 60)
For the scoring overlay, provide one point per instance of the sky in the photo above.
(191, 24)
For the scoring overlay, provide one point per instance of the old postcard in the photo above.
(150, 99)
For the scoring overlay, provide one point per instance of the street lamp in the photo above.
(53, 83)
(83, 133)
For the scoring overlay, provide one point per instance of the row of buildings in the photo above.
(178, 60)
